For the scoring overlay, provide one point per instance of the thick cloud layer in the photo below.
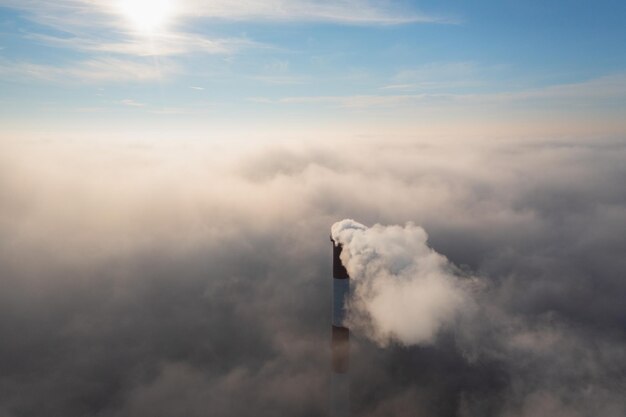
(159, 279)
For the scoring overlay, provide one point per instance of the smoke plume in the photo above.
(403, 290)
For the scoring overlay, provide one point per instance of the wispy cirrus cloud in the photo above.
(162, 44)
(101, 26)
(439, 76)
(598, 89)
(367, 12)
(92, 70)
(280, 79)
(609, 86)
(101, 30)
(351, 101)
(338, 11)
(132, 103)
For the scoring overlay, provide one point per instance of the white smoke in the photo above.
(402, 290)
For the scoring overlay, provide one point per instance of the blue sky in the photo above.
(89, 66)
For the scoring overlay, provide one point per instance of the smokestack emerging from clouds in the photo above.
(341, 334)
(340, 384)
(402, 290)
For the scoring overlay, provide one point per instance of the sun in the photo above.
(147, 16)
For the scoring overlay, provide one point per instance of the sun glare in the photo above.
(147, 16)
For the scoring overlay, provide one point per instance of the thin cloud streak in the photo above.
(131, 103)
(343, 11)
(89, 71)
(608, 87)
(86, 20)
(73, 12)
(157, 45)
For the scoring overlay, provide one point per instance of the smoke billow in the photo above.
(402, 290)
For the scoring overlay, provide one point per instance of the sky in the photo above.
(170, 173)
(193, 67)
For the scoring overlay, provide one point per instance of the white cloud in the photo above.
(339, 11)
(437, 71)
(99, 25)
(399, 87)
(365, 12)
(353, 101)
(131, 103)
(440, 77)
(100, 28)
(599, 89)
(279, 79)
(603, 87)
(94, 70)
(121, 70)
(157, 45)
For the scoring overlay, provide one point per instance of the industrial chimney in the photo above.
(340, 383)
